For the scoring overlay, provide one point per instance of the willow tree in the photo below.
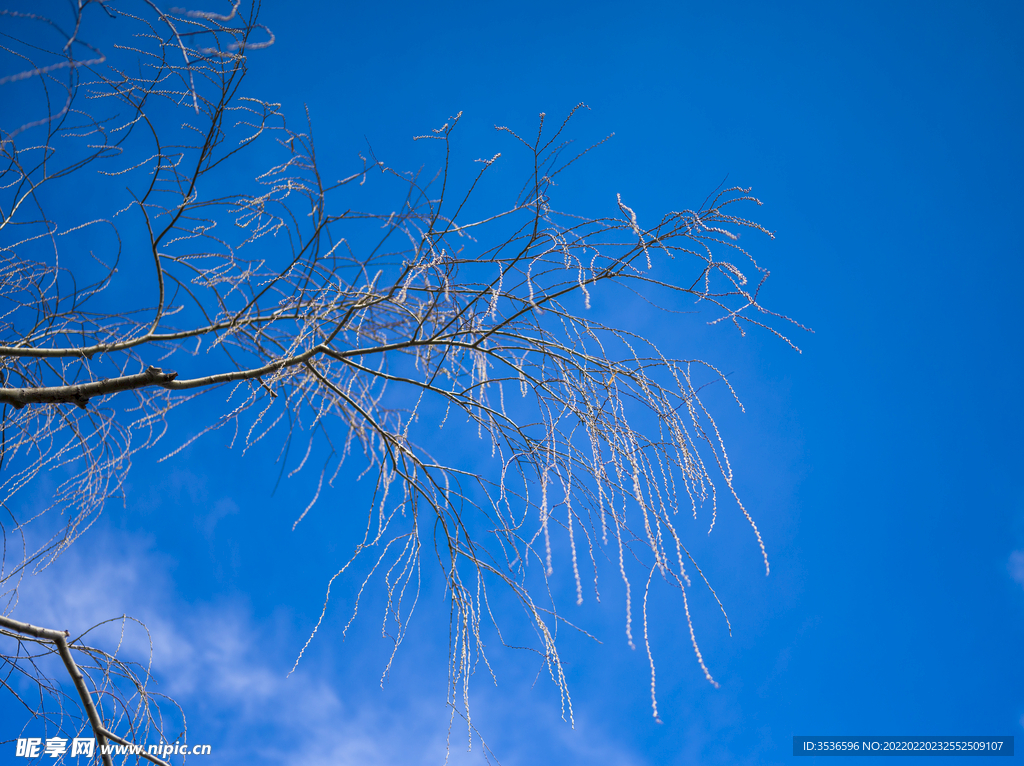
(143, 264)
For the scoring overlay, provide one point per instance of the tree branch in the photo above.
(60, 639)
(81, 394)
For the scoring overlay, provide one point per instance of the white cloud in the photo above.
(1016, 566)
(218, 663)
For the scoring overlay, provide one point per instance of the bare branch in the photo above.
(349, 332)
(80, 394)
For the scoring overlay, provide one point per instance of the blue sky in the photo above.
(881, 463)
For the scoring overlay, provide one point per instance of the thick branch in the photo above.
(60, 639)
(81, 394)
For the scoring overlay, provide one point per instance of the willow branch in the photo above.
(81, 393)
(60, 639)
